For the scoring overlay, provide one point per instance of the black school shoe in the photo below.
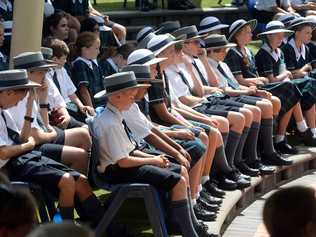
(275, 159)
(207, 206)
(202, 229)
(284, 148)
(202, 214)
(214, 190)
(264, 170)
(209, 198)
(236, 177)
(226, 184)
(245, 169)
(307, 137)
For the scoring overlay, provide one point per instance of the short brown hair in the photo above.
(59, 48)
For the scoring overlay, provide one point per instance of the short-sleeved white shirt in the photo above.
(137, 123)
(266, 5)
(4, 137)
(55, 100)
(179, 88)
(114, 143)
(67, 87)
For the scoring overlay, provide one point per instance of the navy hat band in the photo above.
(17, 82)
(204, 27)
(275, 28)
(160, 45)
(121, 86)
(142, 75)
(30, 65)
(144, 35)
(144, 59)
(216, 44)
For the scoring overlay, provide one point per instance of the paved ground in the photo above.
(249, 222)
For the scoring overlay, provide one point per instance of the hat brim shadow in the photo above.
(229, 45)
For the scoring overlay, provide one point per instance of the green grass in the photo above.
(116, 5)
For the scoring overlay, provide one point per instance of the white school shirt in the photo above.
(114, 143)
(4, 137)
(201, 68)
(179, 88)
(266, 5)
(137, 123)
(67, 87)
(55, 100)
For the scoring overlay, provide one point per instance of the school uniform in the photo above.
(285, 91)
(87, 73)
(115, 143)
(31, 166)
(312, 50)
(296, 59)
(61, 79)
(272, 62)
(4, 64)
(6, 10)
(108, 67)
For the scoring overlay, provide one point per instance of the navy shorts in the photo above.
(53, 151)
(60, 138)
(164, 179)
(34, 168)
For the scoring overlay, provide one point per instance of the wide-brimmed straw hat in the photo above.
(119, 82)
(301, 21)
(189, 32)
(209, 24)
(161, 42)
(15, 80)
(143, 56)
(142, 72)
(32, 61)
(217, 41)
(167, 27)
(274, 27)
(237, 25)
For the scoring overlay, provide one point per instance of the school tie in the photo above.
(130, 134)
(56, 82)
(230, 82)
(167, 90)
(185, 81)
(203, 79)
(13, 135)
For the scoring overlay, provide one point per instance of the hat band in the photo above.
(275, 28)
(110, 89)
(192, 34)
(142, 75)
(18, 82)
(237, 26)
(30, 65)
(216, 44)
(204, 27)
(144, 35)
(144, 59)
(285, 21)
(160, 45)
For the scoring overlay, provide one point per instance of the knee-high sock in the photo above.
(180, 214)
(240, 147)
(250, 148)
(231, 146)
(92, 209)
(220, 164)
(195, 221)
(265, 136)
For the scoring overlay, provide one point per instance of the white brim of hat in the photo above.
(252, 23)
(229, 45)
(155, 61)
(167, 46)
(307, 22)
(218, 27)
(270, 32)
(29, 85)
(102, 94)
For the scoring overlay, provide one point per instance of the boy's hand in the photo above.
(184, 134)
(183, 161)
(88, 109)
(264, 94)
(185, 154)
(161, 161)
(30, 143)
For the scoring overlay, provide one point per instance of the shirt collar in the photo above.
(114, 110)
(298, 53)
(7, 6)
(275, 54)
(213, 62)
(88, 62)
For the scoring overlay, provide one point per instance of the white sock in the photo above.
(193, 201)
(197, 195)
(204, 179)
(200, 188)
(314, 132)
(302, 126)
(279, 138)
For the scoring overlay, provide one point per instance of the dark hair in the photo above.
(126, 49)
(59, 48)
(289, 210)
(18, 209)
(88, 25)
(85, 39)
(245, 59)
(52, 21)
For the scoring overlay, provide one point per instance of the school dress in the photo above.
(4, 64)
(108, 67)
(115, 143)
(312, 50)
(285, 91)
(31, 166)
(88, 73)
(296, 59)
(66, 88)
(6, 10)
